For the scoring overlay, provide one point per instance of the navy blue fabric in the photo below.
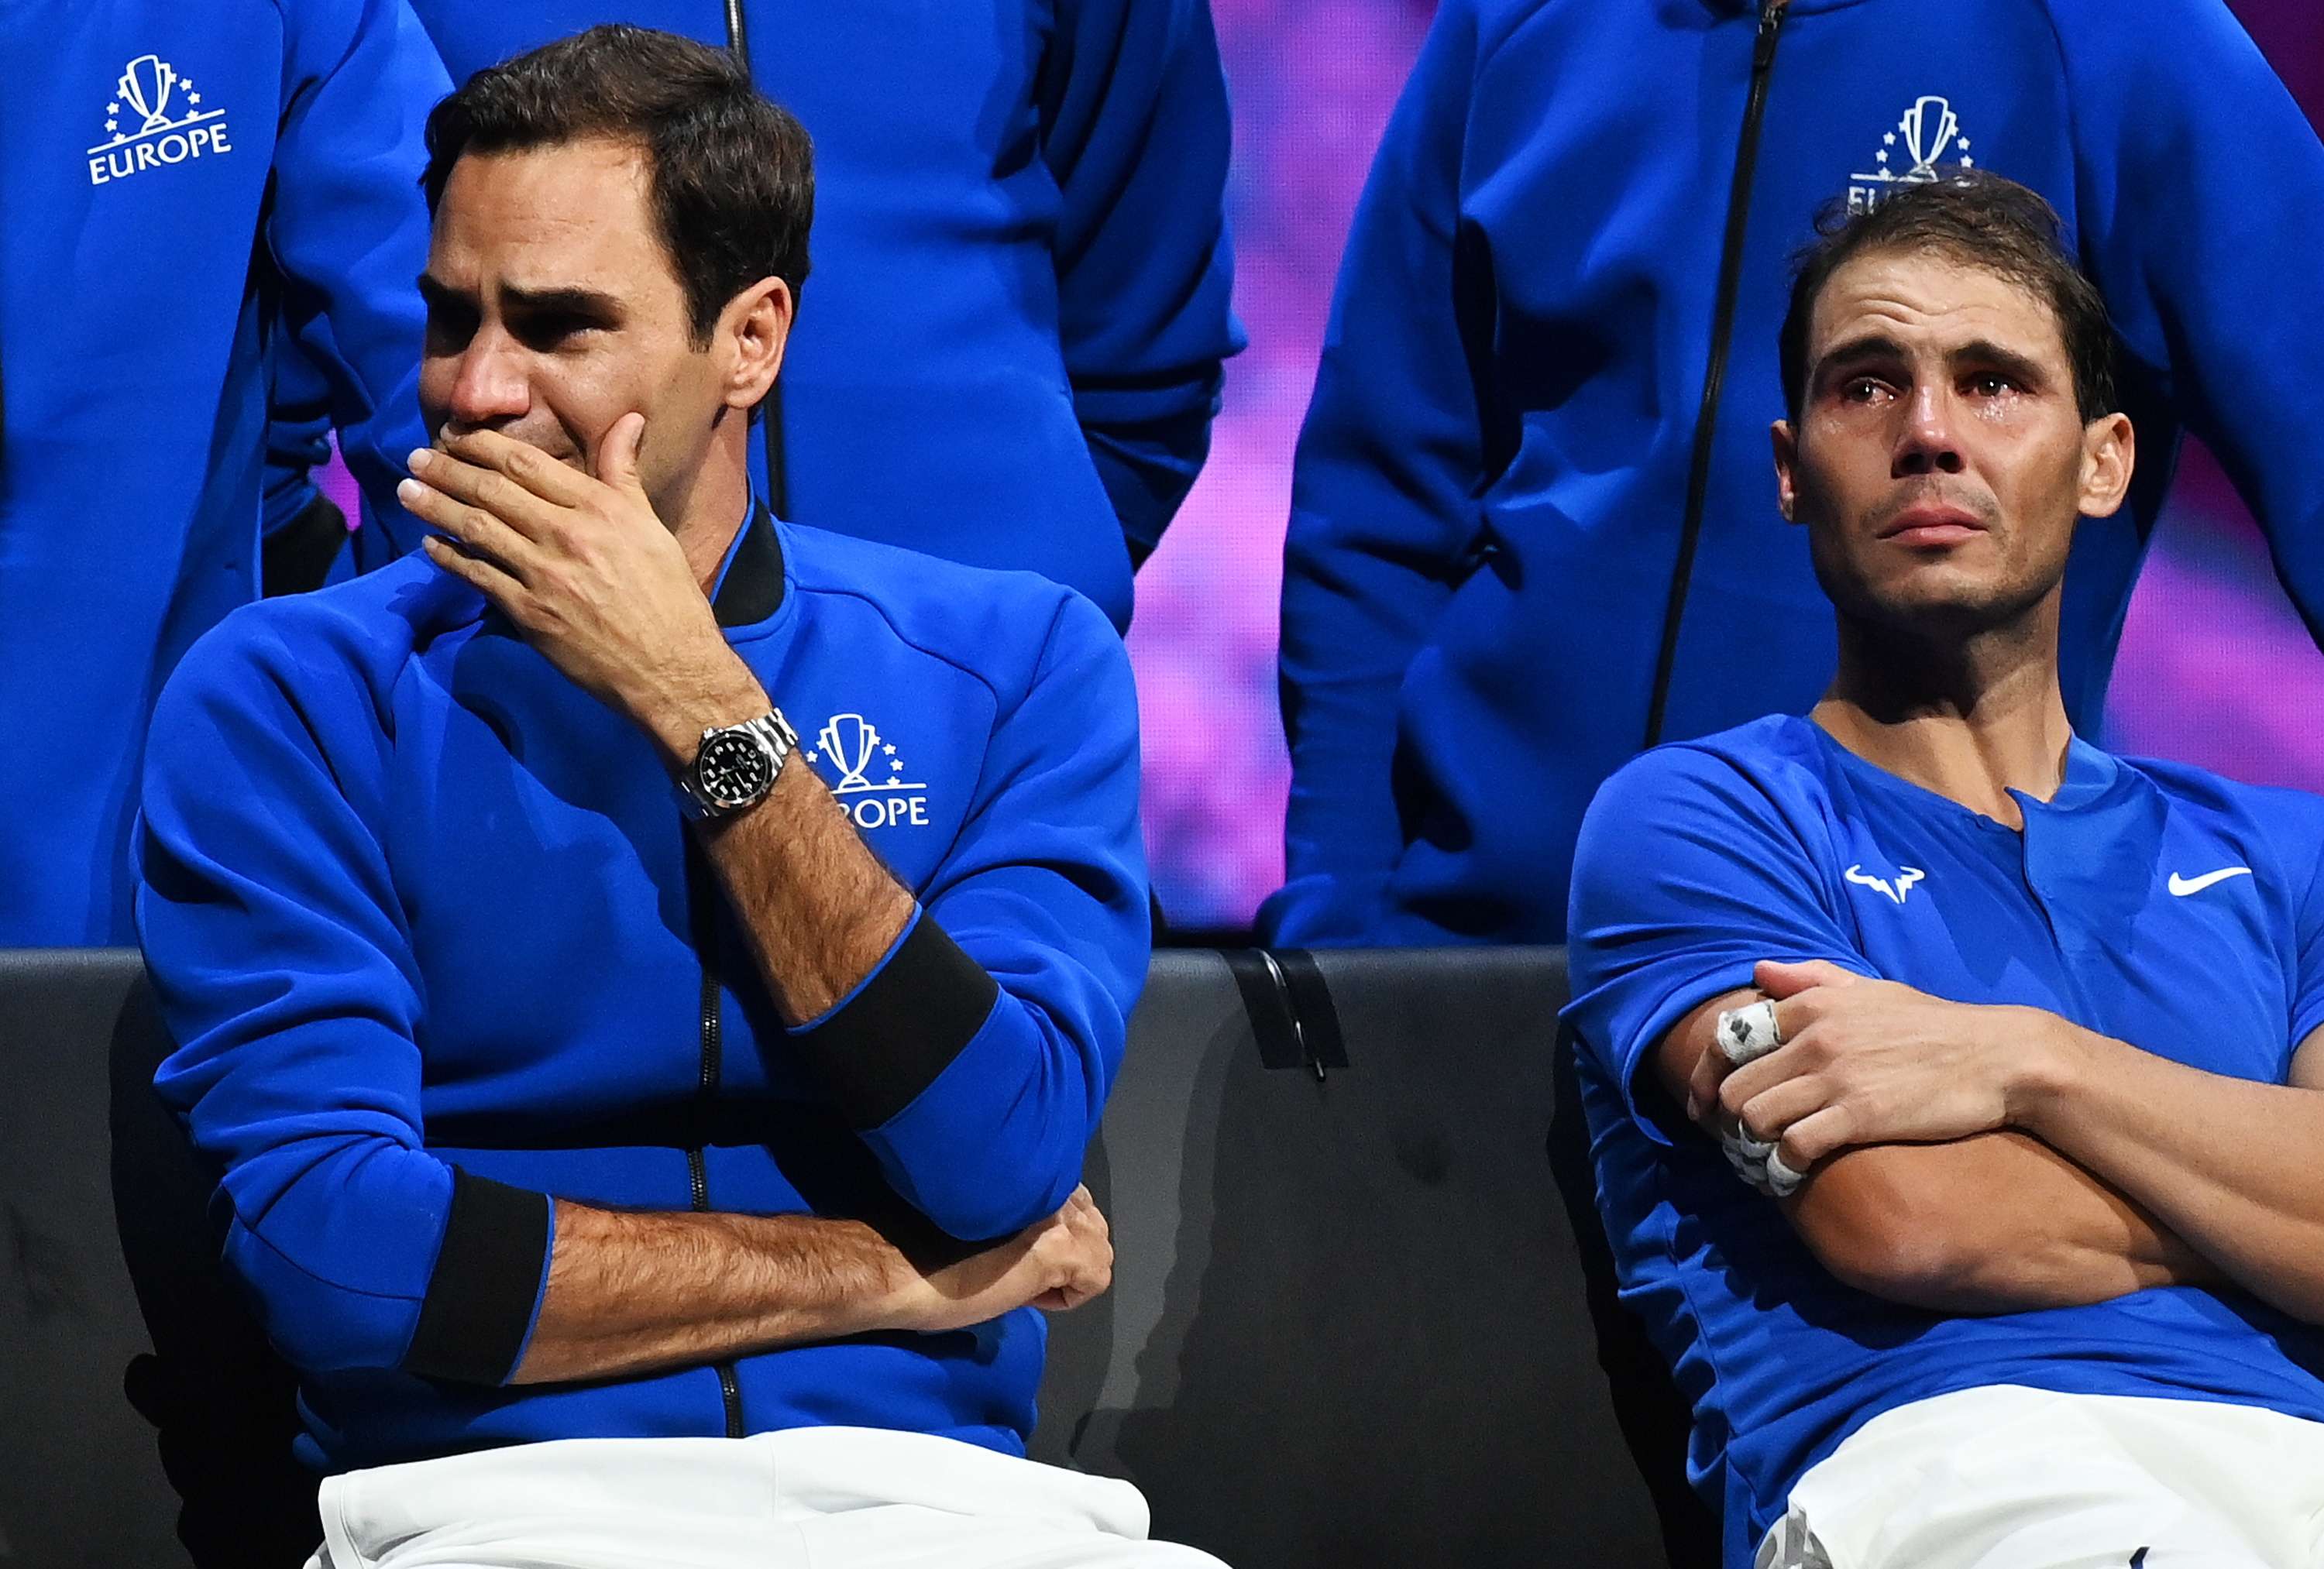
(141, 284)
(1009, 351)
(1487, 505)
(1773, 841)
(414, 900)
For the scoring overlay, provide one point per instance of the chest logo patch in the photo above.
(1926, 134)
(2183, 886)
(1906, 876)
(154, 120)
(869, 779)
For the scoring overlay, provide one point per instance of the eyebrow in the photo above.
(2016, 366)
(589, 303)
(1876, 346)
(1856, 351)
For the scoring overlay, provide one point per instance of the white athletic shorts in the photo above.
(811, 1497)
(2006, 1477)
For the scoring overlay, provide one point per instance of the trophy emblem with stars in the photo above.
(145, 87)
(1924, 143)
(848, 739)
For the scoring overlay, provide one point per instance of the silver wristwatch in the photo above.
(735, 766)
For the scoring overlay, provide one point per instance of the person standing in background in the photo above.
(1015, 351)
(187, 191)
(1527, 514)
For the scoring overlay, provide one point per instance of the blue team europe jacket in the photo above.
(1499, 582)
(179, 183)
(1009, 353)
(424, 922)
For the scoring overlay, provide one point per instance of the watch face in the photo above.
(735, 768)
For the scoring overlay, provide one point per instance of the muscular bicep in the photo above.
(1997, 1222)
(2307, 1062)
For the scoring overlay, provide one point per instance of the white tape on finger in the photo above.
(1780, 1178)
(1749, 1032)
(1748, 1157)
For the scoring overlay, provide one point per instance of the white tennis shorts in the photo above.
(812, 1498)
(2006, 1477)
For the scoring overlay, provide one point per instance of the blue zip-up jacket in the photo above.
(422, 917)
(1490, 496)
(1008, 352)
(179, 183)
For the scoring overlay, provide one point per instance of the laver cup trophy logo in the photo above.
(853, 744)
(145, 87)
(1930, 134)
(139, 131)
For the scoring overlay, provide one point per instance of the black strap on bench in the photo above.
(1289, 1005)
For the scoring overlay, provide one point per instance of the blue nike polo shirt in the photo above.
(2153, 903)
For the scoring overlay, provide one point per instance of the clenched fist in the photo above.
(1055, 1264)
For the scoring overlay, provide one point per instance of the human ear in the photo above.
(2110, 455)
(1787, 457)
(755, 329)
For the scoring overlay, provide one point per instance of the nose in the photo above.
(489, 386)
(1926, 442)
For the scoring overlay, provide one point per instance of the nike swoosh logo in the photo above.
(2183, 886)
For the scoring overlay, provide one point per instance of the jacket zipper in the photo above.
(705, 942)
(1723, 329)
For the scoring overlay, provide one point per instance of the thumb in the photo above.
(1780, 978)
(617, 453)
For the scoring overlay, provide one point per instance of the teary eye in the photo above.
(553, 329)
(450, 325)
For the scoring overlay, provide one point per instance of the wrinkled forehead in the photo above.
(1933, 302)
(573, 215)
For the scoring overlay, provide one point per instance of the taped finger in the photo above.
(1781, 1178)
(1749, 1032)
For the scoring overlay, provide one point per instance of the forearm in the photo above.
(2231, 1165)
(1993, 1223)
(816, 906)
(1997, 1222)
(632, 1292)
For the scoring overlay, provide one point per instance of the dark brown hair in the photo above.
(1980, 220)
(731, 175)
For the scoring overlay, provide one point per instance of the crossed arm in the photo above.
(632, 1292)
(589, 574)
(629, 1292)
(1972, 1159)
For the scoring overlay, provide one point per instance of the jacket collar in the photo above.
(751, 590)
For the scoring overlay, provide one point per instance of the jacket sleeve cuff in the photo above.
(486, 1287)
(888, 1039)
(1147, 472)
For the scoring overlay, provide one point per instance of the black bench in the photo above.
(1352, 1321)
